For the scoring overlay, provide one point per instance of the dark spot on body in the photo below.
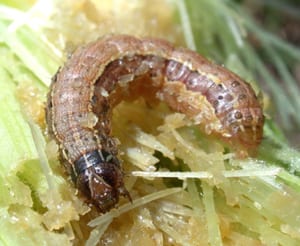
(94, 99)
(235, 83)
(249, 118)
(242, 97)
(238, 115)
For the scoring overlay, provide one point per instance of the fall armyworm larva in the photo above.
(100, 74)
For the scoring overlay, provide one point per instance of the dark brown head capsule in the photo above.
(99, 178)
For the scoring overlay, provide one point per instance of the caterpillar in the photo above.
(101, 74)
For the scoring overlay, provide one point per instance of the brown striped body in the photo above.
(101, 74)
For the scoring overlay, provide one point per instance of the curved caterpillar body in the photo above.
(102, 73)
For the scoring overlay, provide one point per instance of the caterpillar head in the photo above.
(100, 180)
